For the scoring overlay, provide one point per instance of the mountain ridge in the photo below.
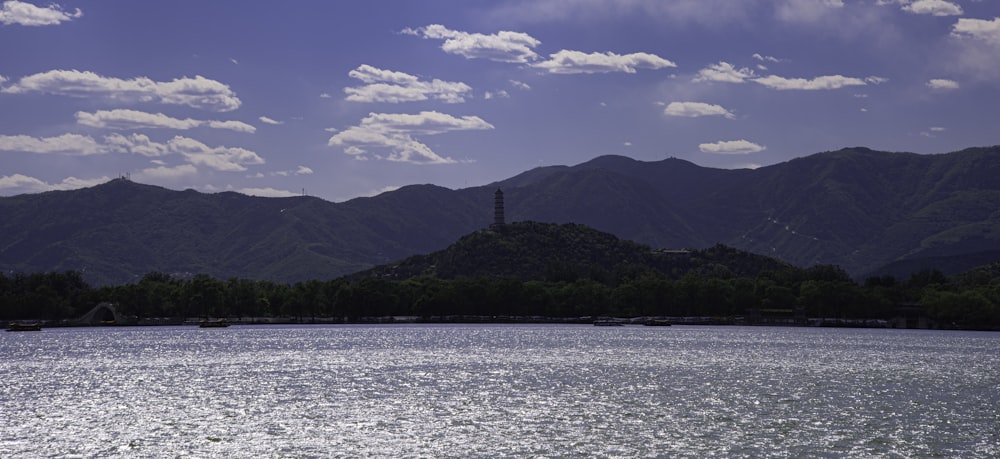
(857, 208)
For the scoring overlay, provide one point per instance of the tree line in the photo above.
(822, 291)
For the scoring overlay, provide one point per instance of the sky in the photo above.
(345, 99)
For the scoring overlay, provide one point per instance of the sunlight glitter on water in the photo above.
(499, 391)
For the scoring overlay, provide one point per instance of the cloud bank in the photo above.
(395, 133)
(27, 14)
(395, 87)
(198, 92)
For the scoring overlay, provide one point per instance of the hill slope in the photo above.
(857, 208)
(548, 251)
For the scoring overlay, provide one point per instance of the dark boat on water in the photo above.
(213, 323)
(24, 326)
(657, 323)
(608, 323)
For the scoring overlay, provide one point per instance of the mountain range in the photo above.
(870, 212)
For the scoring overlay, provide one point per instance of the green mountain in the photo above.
(548, 251)
(856, 208)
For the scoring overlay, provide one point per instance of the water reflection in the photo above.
(490, 391)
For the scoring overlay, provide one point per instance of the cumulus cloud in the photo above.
(138, 144)
(395, 134)
(727, 73)
(266, 120)
(517, 84)
(27, 14)
(301, 170)
(198, 92)
(976, 53)
(227, 159)
(395, 87)
(219, 158)
(942, 84)
(933, 7)
(500, 94)
(818, 83)
(134, 119)
(724, 72)
(764, 58)
(503, 46)
(696, 109)
(23, 183)
(987, 31)
(731, 147)
(19, 183)
(162, 172)
(569, 62)
(68, 144)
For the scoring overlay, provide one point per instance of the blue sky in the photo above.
(341, 99)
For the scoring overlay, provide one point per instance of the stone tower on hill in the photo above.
(498, 218)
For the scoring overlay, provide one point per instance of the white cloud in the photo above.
(301, 170)
(138, 144)
(423, 123)
(501, 94)
(763, 58)
(942, 84)
(267, 192)
(395, 133)
(195, 152)
(27, 14)
(517, 84)
(394, 87)
(22, 182)
(570, 62)
(238, 126)
(166, 173)
(976, 53)
(134, 119)
(696, 109)
(818, 83)
(227, 159)
(19, 183)
(266, 120)
(724, 72)
(937, 129)
(934, 7)
(987, 31)
(69, 144)
(198, 92)
(732, 147)
(876, 80)
(503, 46)
(325, 96)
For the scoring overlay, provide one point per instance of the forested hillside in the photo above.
(855, 208)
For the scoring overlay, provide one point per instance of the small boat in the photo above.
(213, 323)
(657, 323)
(608, 323)
(24, 326)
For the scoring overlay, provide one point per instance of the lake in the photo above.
(499, 391)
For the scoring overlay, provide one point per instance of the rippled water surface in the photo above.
(499, 391)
